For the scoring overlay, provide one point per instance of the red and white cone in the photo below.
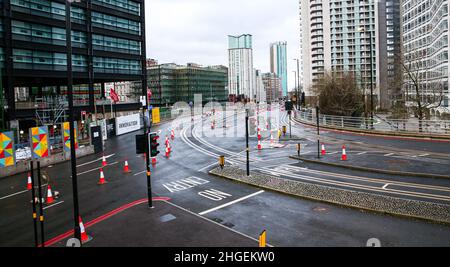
(259, 145)
(126, 168)
(167, 152)
(154, 161)
(271, 139)
(344, 153)
(29, 184)
(259, 134)
(324, 152)
(84, 236)
(172, 134)
(213, 125)
(50, 199)
(102, 180)
(104, 162)
(167, 140)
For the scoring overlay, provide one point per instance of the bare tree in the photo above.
(339, 95)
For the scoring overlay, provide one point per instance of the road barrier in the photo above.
(406, 126)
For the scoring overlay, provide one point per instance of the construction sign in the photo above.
(39, 142)
(156, 117)
(66, 135)
(6, 149)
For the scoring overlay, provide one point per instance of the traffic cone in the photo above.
(344, 153)
(102, 180)
(126, 168)
(29, 185)
(50, 199)
(271, 139)
(172, 134)
(154, 160)
(84, 236)
(167, 152)
(167, 140)
(324, 152)
(259, 145)
(169, 147)
(212, 125)
(104, 162)
(259, 134)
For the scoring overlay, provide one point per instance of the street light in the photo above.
(298, 82)
(363, 30)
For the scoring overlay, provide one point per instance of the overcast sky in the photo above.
(183, 31)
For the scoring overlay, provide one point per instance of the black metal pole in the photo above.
(73, 158)
(41, 204)
(33, 201)
(149, 181)
(371, 81)
(290, 124)
(246, 141)
(318, 132)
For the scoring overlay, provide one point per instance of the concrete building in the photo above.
(336, 36)
(278, 63)
(171, 83)
(426, 41)
(273, 87)
(259, 85)
(240, 72)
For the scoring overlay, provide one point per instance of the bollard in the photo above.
(222, 162)
(262, 239)
(284, 130)
(299, 147)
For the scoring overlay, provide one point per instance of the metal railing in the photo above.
(412, 125)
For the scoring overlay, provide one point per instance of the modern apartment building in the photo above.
(273, 87)
(108, 45)
(259, 87)
(171, 83)
(349, 36)
(240, 72)
(278, 63)
(426, 41)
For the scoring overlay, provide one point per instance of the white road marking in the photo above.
(333, 153)
(362, 153)
(388, 155)
(385, 186)
(139, 173)
(96, 169)
(18, 193)
(230, 203)
(90, 162)
(53, 205)
(424, 155)
(207, 167)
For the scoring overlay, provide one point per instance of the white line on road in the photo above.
(139, 173)
(90, 162)
(424, 155)
(231, 203)
(333, 153)
(53, 205)
(388, 155)
(385, 186)
(362, 153)
(206, 167)
(18, 193)
(96, 169)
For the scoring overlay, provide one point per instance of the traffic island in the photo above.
(434, 212)
(165, 225)
(391, 165)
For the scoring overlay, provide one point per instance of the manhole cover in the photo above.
(320, 209)
(167, 218)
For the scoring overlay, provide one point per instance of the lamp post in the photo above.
(298, 83)
(363, 30)
(296, 90)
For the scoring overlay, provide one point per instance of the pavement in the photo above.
(164, 225)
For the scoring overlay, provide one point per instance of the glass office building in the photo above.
(108, 45)
(278, 64)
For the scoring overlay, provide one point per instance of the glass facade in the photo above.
(109, 22)
(119, 45)
(115, 65)
(121, 5)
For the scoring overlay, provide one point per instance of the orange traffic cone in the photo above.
(167, 152)
(259, 145)
(344, 153)
(102, 180)
(172, 134)
(126, 168)
(50, 199)
(212, 125)
(259, 134)
(84, 236)
(29, 185)
(324, 152)
(154, 160)
(104, 162)
(167, 140)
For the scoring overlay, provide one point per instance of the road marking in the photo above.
(230, 203)
(90, 162)
(18, 193)
(362, 153)
(96, 169)
(333, 153)
(207, 167)
(214, 195)
(139, 173)
(388, 155)
(424, 155)
(385, 186)
(185, 184)
(56, 204)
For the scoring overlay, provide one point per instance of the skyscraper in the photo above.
(278, 63)
(347, 36)
(426, 41)
(241, 73)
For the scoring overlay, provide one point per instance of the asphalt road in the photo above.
(185, 180)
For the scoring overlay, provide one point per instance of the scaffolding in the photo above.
(51, 110)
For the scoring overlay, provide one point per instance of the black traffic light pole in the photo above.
(41, 205)
(33, 201)
(246, 141)
(149, 182)
(318, 132)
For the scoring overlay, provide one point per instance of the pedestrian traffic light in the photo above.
(154, 137)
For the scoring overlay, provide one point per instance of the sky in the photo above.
(182, 31)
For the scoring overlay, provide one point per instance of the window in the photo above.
(122, 5)
(115, 23)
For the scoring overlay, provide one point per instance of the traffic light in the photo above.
(154, 145)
